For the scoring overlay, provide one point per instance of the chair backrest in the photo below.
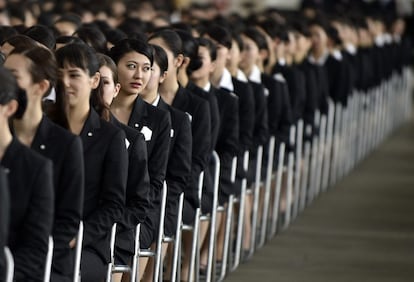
(48, 266)
(9, 264)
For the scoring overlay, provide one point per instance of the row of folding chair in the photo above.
(344, 136)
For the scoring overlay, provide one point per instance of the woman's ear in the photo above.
(178, 61)
(44, 86)
(95, 80)
(11, 108)
(116, 89)
(162, 77)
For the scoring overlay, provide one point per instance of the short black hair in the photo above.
(42, 34)
(219, 34)
(131, 45)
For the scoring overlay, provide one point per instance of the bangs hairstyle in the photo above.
(78, 55)
(84, 57)
(258, 38)
(211, 47)
(160, 57)
(131, 45)
(106, 61)
(171, 39)
(42, 65)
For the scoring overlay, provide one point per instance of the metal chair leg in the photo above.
(298, 168)
(256, 193)
(278, 185)
(78, 253)
(48, 267)
(10, 264)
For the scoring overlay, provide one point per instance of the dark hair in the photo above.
(190, 50)
(65, 39)
(42, 34)
(7, 32)
(20, 41)
(105, 60)
(42, 66)
(9, 90)
(255, 35)
(219, 34)
(237, 38)
(333, 35)
(93, 37)
(160, 57)
(274, 30)
(171, 39)
(84, 57)
(115, 35)
(70, 18)
(212, 49)
(16, 11)
(131, 45)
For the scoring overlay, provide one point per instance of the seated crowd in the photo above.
(102, 104)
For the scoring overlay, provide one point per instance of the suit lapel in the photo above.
(44, 138)
(139, 114)
(90, 130)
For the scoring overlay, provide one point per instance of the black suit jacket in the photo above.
(279, 109)
(214, 110)
(338, 81)
(4, 217)
(106, 167)
(261, 127)
(155, 125)
(31, 215)
(65, 151)
(137, 200)
(247, 114)
(228, 140)
(199, 112)
(179, 161)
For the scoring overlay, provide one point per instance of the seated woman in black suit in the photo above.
(31, 198)
(104, 152)
(179, 160)
(138, 183)
(4, 218)
(36, 72)
(134, 59)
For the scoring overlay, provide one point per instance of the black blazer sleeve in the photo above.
(112, 194)
(69, 202)
(261, 126)
(138, 183)
(179, 161)
(201, 129)
(157, 161)
(30, 254)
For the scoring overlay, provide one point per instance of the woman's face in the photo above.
(77, 84)
(134, 72)
(250, 53)
(156, 78)
(110, 88)
(19, 66)
(207, 66)
(318, 37)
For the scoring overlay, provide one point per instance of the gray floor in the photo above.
(360, 230)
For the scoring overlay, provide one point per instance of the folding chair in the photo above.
(176, 240)
(304, 180)
(157, 253)
(78, 253)
(298, 168)
(194, 267)
(48, 266)
(277, 189)
(328, 162)
(256, 197)
(313, 171)
(210, 275)
(9, 264)
(268, 183)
